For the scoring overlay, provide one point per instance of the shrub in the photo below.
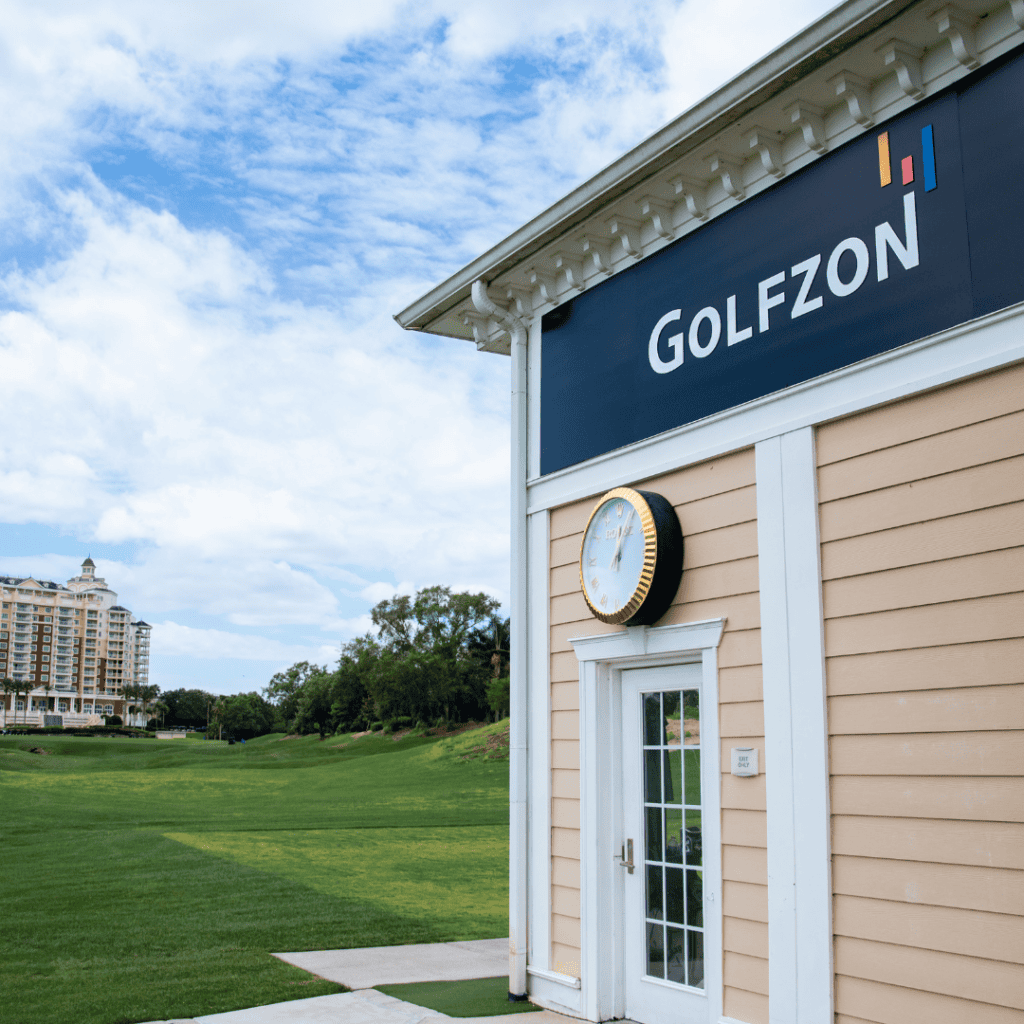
(401, 722)
(112, 720)
(376, 726)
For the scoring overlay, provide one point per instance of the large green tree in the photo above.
(187, 708)
(285, 688)
(246, 715)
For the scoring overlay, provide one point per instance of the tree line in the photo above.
(437, 657)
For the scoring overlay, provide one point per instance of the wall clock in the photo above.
(631, 559)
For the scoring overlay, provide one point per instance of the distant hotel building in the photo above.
(74, 643)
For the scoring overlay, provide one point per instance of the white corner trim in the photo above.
(643, 641)
(796, 740)
(553, 976)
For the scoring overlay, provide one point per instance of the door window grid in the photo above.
(674, 919)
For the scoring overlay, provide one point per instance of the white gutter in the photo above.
(519, 650)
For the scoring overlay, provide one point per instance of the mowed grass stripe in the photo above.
(106, 919)
(456, 874)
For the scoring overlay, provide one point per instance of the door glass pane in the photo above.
(656, 950)
(693, 845)
(677, 955)
(652, 719)
(673, 850)
(695, 957)
(652, 776)
(675, 905)
(654, 900)
(653, 828)
(674, 776)
(674, 835)
(693, 777)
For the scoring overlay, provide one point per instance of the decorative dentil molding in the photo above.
(810, 120)
(729, 172)
(694, 194)
(957, 26)
(627, 230)
(768, 145)
(905, 59)
(856, 91)
(659, 213)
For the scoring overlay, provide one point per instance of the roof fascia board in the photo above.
(815, 46)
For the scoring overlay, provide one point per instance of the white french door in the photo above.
(671, 934)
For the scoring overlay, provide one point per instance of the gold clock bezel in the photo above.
(643, 587)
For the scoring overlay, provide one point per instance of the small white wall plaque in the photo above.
(744, 761)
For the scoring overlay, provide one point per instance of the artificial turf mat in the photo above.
(477, 997)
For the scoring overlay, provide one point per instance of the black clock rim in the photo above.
(668, 568)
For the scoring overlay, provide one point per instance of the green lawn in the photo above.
(144, 880)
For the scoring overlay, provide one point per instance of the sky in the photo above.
(209, 215)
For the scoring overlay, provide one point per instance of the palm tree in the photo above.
(9, 686)
(160, 708)
(132, 692)
(24, 687)
(147, 696)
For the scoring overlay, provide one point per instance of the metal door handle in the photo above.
(626, 856)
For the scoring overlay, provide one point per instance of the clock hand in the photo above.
(617, 554)
(617, 557)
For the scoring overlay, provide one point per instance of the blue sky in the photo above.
(209, 214)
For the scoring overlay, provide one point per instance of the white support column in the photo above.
(539, 747)
(796, 732)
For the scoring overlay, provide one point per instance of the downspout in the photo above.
(518, 652)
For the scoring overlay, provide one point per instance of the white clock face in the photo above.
(612, 557)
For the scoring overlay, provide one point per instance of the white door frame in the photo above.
(602, 659)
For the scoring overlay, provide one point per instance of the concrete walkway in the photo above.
(360, 969)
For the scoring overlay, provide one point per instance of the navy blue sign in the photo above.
(906, 231)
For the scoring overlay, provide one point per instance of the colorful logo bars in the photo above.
(907, 163)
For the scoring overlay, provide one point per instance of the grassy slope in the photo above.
(146, 880)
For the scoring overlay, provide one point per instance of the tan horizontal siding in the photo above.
(565, 783)
(946, 973)
(968, 709)
(717, 507)
(745, 863)
(1000, 438)
(565, 959)
(565, 725)
(751, 971)
(565, 930)
(891, 1004)
(988, 529)
(950, 494)
(922, 527)
(997, 844)
(748, 937)
(998, 937)
(958, 799)
(934, 412)
(956, 754)
(746, 901)
(1000, 891)
(981, 618)
(744, 828)
(952, 579)
(994, 662)
(749, 1007)
(740, 685)
(565, 872)
(565, 901)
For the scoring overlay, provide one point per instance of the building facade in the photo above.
(74, 644)
(792, 791)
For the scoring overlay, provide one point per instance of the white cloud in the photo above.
(175, 640)
(198, 357)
